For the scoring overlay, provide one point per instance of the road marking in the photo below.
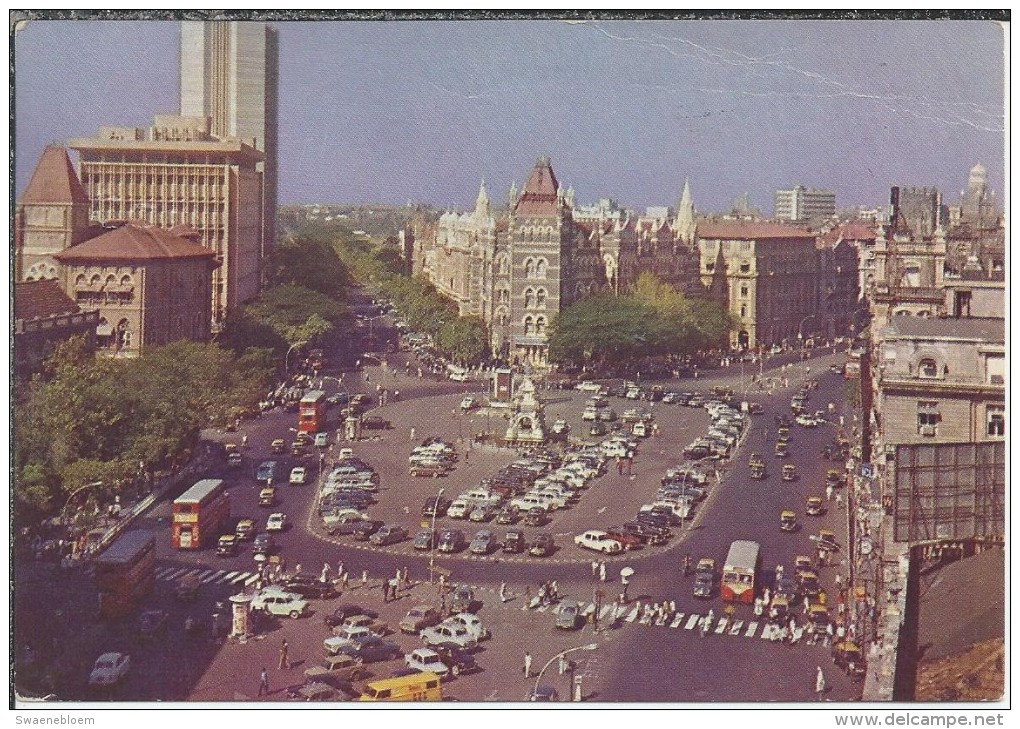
(677, 620)
(692, 621)
(163, 572)
(751, 628)
(632, 616)
(175, 573)
(589, 609)
(542, 608)
(605, 611)
(646, 619)
(721, 625)
(601, 510)
(241, 578)
(215, 576)
(192, 573)
(766, 632)
(736, 627)
(229, 576)
(251, 580)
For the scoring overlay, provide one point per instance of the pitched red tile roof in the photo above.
(134, 241)
(540, 195)
(54, 180)
(39, 299)
(749, 230)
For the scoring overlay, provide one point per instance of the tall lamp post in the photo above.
(432, 546)
(589, 647)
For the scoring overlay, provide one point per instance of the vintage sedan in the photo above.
(598, 541)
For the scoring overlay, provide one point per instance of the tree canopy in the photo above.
(653, 320)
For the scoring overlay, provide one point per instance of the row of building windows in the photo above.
(104, 298)
(929, 416)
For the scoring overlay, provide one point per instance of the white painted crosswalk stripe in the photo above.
(191, 573)
(632, 616)
(243, 577)
(174, 574)
(229, 576)
(736, 627)
(251, 580)
(751, 628)
(691, 622)
(588, 609)
(214, 576)
(721, 626)
(605, 611)
(542, 608)
(677, 620)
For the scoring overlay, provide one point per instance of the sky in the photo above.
(392, 112)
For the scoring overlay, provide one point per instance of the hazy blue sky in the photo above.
(398, 111)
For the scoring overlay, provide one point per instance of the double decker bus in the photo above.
(125, 572)
(312, 412)
(200, 514)
(740, 571)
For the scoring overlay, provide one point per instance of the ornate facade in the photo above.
(518, 269)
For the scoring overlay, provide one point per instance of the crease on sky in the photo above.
(715, 56)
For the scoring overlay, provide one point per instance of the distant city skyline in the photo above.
(391, 112)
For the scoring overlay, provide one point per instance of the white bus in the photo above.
(740, 572)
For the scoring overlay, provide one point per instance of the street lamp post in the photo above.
(432, 546)
(589, 647)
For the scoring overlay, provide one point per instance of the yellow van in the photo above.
(416, 687)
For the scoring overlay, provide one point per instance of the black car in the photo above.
(654, 519)
(435, 505)
(366, 529)
(340, 614)
(338, 398)
(463, 600)
(647, 533)
(310, 587)
(371, 649)
(263, 544)
(456, 659)
(542, 546)
(376, 422)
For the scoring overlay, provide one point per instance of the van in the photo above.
(457, 374)
(423, 686)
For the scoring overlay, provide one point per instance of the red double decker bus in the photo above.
(125, 573)
(312, 412)
(200, 514)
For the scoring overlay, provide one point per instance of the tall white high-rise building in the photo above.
(230, 73)
(804, 203)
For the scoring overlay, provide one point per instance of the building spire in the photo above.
(482, 203)
(684, 226)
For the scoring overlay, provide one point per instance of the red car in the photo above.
(629, 541)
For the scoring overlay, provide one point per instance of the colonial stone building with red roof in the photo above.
(150, 286)
(43, 316)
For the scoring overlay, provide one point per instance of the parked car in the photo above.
(459, 509)
(371, 649)
(427, 659)
(376, 422)
(626, 539)
(468, 403)
(536, 516)
(483, 513)
(435, 506)
(451, 540)
(341, 613)
(469, 620)
(598, 541)
(429, 469)
(446, 633)
(513, 542)
(568, 615)
(109, 669)
(457, 659)
(463, 599)
(366, 529)
(419, 618)
(542, 546)
(425, 539)
(483, 542)
(509, 514)
(389, 534)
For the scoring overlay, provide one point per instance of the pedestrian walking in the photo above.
(828, 492)
(340, 569)
(594, 568)
(563, 664)
(807, 604)
(527, 665)
(819, 681)
(364, 577)
(412, 434)
(502, 592)
(325, 572)
(344, 580)
(839, 500)
(766, 595)
(385, 591)
(554, 590)
(284, 663)
(404, 578)
(264, 683)
(527, 597)
(602, 571)
(828, 635)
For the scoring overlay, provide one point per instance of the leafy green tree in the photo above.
(466, 339)
(310, 261)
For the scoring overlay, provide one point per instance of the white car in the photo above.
(274, 601)
(298, 474)
(614, 449)
(321, 440)
(598, 541)
(426, 659)
(590, 414)
(807, 421)
(589, 386)
(471, 622)
(448, 633)
(276, 522)
(109, 669)
(459, 509)
(467, 403)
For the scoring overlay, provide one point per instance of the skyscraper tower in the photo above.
(230, 73)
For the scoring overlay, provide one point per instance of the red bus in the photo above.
(740, 572)
(312, 412)
(200, 514)
(125, 573)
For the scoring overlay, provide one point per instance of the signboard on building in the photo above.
(503, 385)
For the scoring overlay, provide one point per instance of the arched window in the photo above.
(110, 281)
(541, 267)
(743, 310)
(504, 296)
(529, 325)
(540, 298)
(125, 280)
(503, 266)
(95, 280)
(79, 280)
(529, 268)
(743, 290)
(540, 325)
(928, 367)
(502, 317)
(529, 298)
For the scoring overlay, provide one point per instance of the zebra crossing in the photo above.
(683, 621)
(207, 576)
